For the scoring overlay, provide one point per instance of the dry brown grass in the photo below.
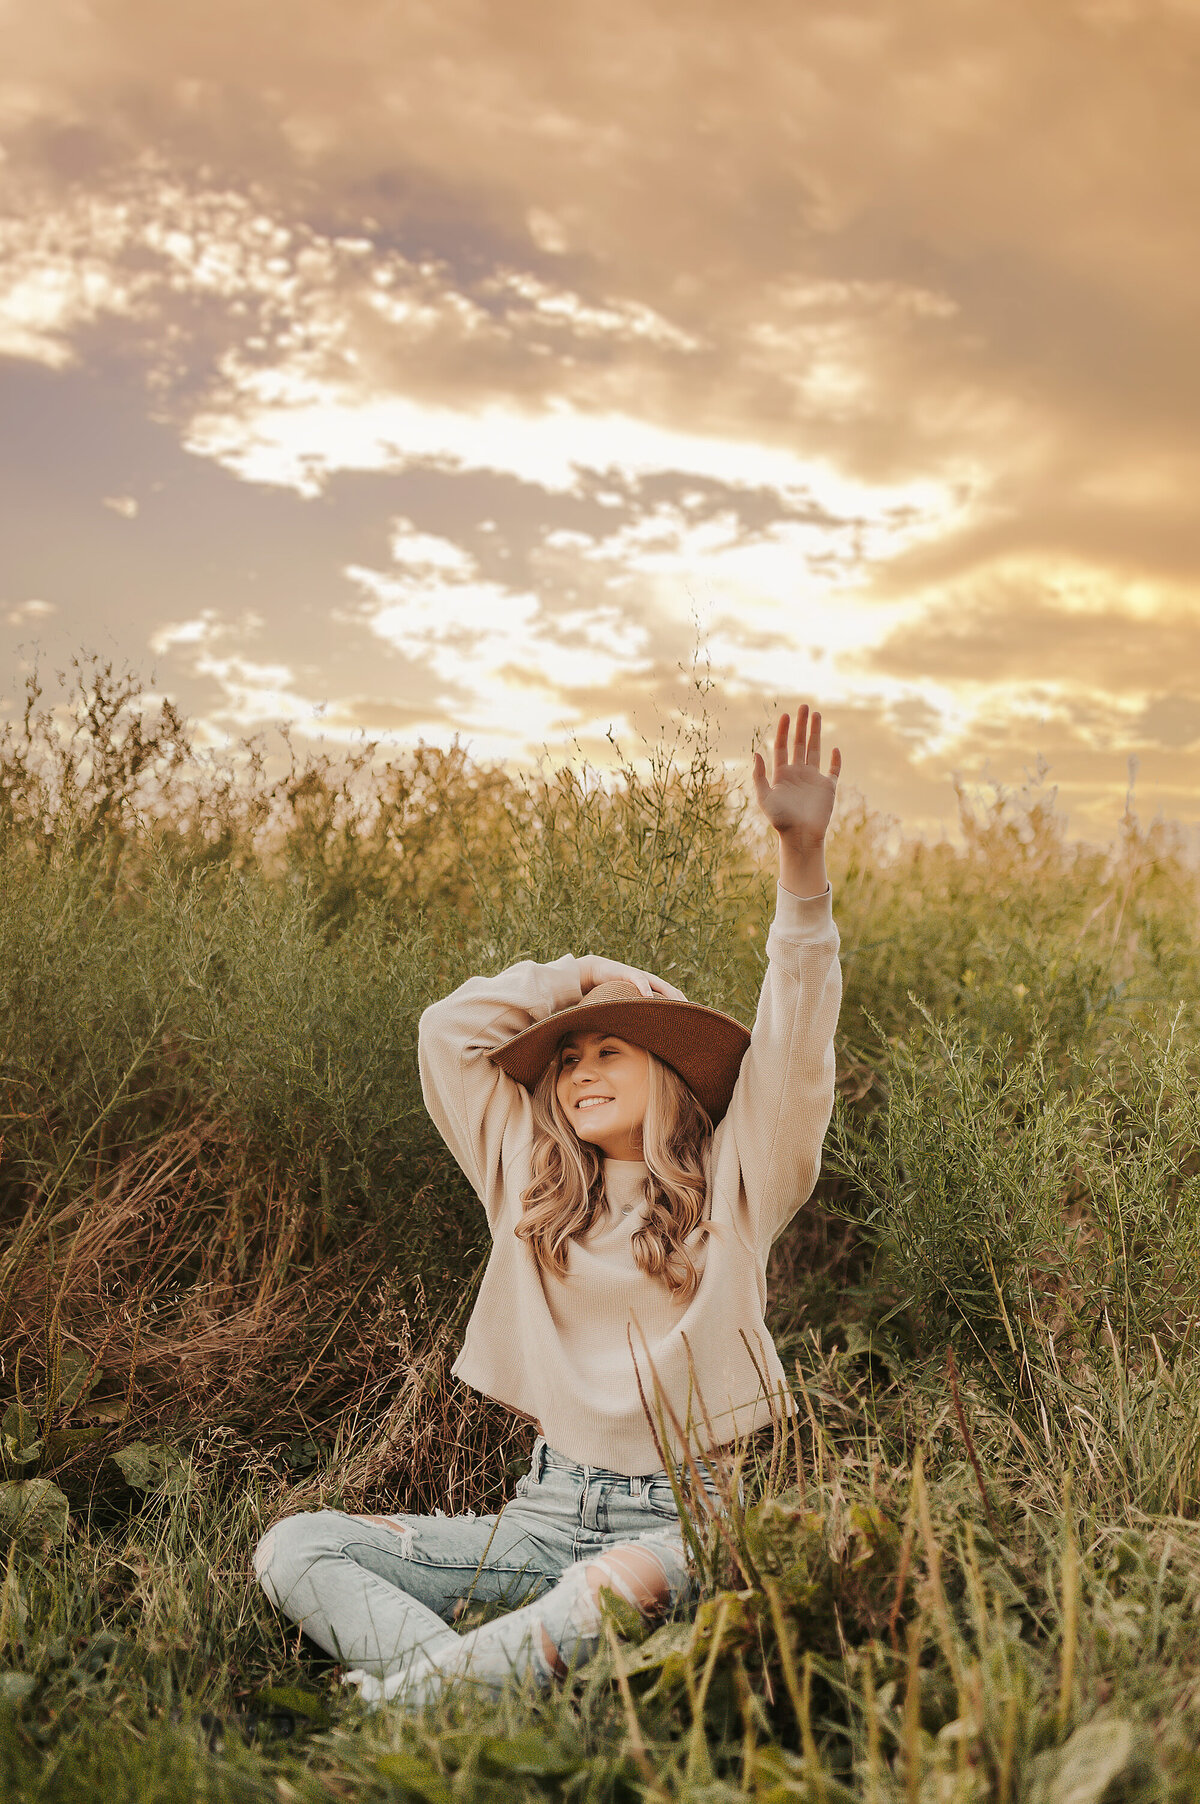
(196, 1291)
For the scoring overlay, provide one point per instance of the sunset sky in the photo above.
(444, 367)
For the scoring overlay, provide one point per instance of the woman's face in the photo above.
(603, 1083)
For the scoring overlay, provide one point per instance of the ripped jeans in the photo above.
(379, 1592)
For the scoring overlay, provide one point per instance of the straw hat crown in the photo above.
(704, 1046)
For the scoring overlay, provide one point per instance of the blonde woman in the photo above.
(636, 1155)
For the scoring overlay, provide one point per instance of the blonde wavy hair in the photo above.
(566, 1197)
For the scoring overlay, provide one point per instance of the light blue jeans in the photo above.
(379, 1592)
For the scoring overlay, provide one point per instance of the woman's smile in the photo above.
(602, 1088)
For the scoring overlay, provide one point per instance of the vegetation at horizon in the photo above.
(235, 1262)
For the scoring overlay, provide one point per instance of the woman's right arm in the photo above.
(472, 1102)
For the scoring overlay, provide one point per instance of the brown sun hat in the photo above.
(705, 1047)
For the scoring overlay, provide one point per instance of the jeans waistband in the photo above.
(545, 1456)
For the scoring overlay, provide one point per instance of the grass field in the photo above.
(236, 1261)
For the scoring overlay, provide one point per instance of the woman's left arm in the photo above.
(784, 1094)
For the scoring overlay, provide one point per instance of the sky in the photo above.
(405, 370)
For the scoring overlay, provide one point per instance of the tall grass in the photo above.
(233, 1244)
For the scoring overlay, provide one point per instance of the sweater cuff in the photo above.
(562, 985)
(802, 916)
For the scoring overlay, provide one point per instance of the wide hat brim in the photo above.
(704, 1046)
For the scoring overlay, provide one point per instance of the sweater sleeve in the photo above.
(784, 1093)
(475, 1106)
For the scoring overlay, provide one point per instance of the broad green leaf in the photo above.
(104, 1653)
(106, 1409)
(294, 1698)
(33, 1508)
(15, 1687)
(414, 1779)
(154, 1466)
(727, 1610)
(778, 1775)
(716, 1791)
(626, 1618)
(670, 1644)
(65, 1440)
(21, 1433)
(15, 1455)
(666, 1658)
(75, 1378)
(527, 1753)
(1088, 1763)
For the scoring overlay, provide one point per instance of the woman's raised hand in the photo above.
(797, 799)
(594, 970)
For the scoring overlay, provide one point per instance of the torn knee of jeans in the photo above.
(404, 1532)
(552, 1654)
(634, 1573)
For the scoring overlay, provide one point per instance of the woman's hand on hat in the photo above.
(593, 970)
(798, 798)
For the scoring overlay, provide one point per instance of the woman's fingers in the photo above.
(668, 990)
(781, 748)
(801, 733)
(805, 748)
(594, 970)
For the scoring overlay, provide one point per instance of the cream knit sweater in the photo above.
(558, 1349)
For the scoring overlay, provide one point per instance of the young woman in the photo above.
(636, 1155)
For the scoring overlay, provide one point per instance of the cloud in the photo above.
(186, 632)
(255, 694)
(49, 291)
(238, 692)
(1172, 721)
(29, 611)
(1051, 628)
(494, 657)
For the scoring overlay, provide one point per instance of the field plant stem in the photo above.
(636, 1741)
(818, 1451)
(1008, 1746)
(912, 1711)
(1119, 1372)
(787, 1658)
(662, 1402)
(813, 1768)
(872, 1721)
(1000, 1300)
(968, 1443)
(977, 1592)
(933, 1563)
(1070, 1614)
(1121, 1231)
(745, 1701)
(655, 1436)
(699, 1761)
(906, 1547)
(798, 1454)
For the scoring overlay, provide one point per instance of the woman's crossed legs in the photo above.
(379, 1593)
